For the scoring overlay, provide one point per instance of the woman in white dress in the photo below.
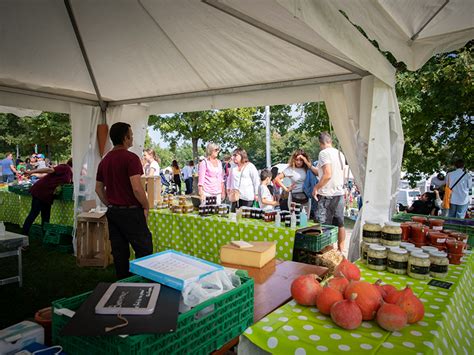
(243, 181)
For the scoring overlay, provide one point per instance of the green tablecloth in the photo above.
(14, 208)
(204, 236)
(447, 325)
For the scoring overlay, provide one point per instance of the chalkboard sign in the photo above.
(442, 284)
(129, 298)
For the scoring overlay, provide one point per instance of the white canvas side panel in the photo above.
(33, 102)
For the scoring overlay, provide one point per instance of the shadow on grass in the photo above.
(48, 275)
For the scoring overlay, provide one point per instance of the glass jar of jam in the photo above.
(391, 234)
(419, 266)
(439, 264)
(418, 233)
(436, 224)
(406, 231)
(419, 219)
(377, 258)
(397, 261)
(371, 232)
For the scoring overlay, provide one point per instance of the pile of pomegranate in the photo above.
(349, 301)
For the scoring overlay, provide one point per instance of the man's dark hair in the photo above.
(69, 162)
(118, 132)
(325, 138)
(459, 163)
(265, 174)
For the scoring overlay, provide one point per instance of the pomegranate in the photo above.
(305, 289)
(391, 317)
(339, 283)
(347, 270)
(346, 313)
(368, 298)
(327, 298)
(412, 306)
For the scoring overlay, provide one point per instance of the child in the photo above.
(265, 198)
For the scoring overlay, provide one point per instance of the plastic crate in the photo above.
(36, 232)
(232, 314)
(316, 242)
(57, 239)
(57, 228)
(457, 224)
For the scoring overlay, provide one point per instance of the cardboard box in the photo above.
(256, 256)
(152, 187)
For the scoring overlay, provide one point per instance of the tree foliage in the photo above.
(437, 108)
(50, 131)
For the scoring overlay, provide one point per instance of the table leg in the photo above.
(20, 268)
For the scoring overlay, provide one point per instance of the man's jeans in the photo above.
(457, 211)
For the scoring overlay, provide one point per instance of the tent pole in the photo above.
(102, 103)
(415, 36)
(268, 137)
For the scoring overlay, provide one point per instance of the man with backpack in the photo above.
(459, 182)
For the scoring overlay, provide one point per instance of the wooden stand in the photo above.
(93, 245)
(152, 187)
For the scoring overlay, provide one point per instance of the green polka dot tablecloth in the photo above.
(14, 208)
(447, 327)
(203, 236)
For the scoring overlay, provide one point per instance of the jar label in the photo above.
(371, 234)
(441, 241)
(377, 261)
(440, 269)
(438, 228)
(398, 265)
(391, 237)
(420, 270)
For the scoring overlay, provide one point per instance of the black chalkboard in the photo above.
(438, 283)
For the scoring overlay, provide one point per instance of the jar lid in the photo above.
(372, 221)
(420, 255)
(406, 245)
(428, 248)
(399, 251)
(440, 254)
(377, 247)
(392, 224)
(415, 250)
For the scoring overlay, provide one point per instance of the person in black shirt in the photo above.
(425, 205)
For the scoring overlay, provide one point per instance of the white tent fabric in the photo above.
(413, 30)
(367, 122)
(20, 112)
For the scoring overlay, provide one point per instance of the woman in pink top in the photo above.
(211, 175)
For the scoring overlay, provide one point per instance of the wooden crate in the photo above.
(152, 187)
(93, 244)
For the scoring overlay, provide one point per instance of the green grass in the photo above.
(47, 276)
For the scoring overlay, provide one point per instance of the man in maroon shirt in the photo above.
(42, 192)
(119, 187)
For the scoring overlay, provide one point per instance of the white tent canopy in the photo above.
(133, 58)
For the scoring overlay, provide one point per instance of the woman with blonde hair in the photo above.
(211, 175)
(243, 181)
(296, 172)
(151, 167)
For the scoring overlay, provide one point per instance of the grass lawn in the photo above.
(47, 276)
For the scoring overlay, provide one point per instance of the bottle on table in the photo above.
(303, 218)
(278, 219)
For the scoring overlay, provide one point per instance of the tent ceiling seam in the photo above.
(173, 43)
(34, 93)
(241, 89)
(415, 36)
(72, 18)
(284, 37)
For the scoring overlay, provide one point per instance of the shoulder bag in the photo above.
(448, 191)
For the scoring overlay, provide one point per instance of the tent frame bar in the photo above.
(70, 12)
(47, 95)
(285, 37)
(241, 89)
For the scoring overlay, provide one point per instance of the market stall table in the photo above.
(15, 208)
(203, 236)
(11, 244)
(447, 327)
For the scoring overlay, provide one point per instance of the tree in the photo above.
(50, 131)
(224, 127)
(437, 109)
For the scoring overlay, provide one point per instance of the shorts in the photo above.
(331, 210)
